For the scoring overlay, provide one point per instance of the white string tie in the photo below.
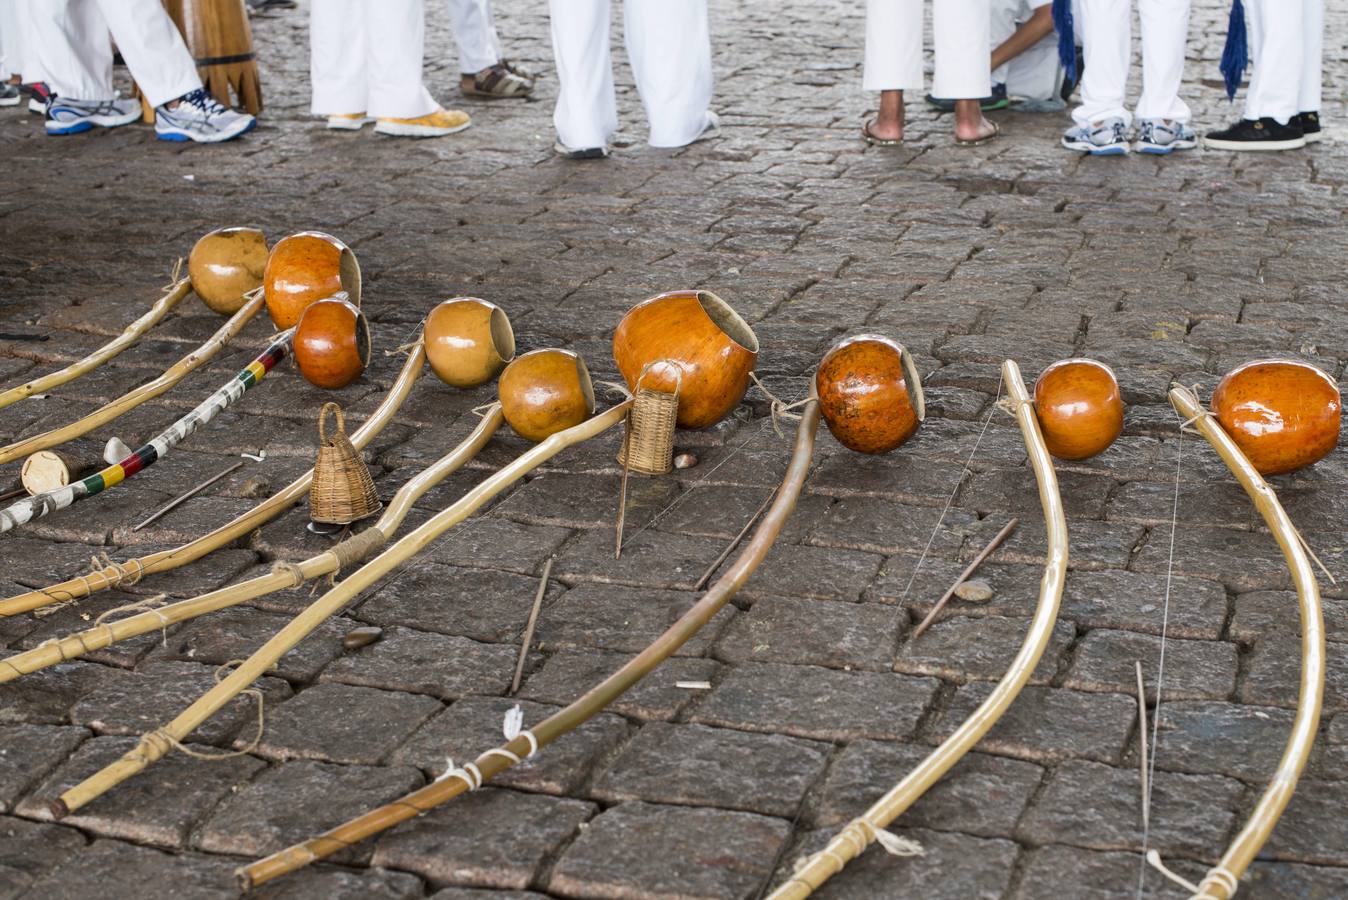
(1216, 875)
(468, 773)
(1154, 859)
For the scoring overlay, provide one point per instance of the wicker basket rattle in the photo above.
(648, 444)
(343, 491)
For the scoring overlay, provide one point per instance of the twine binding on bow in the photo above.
(858, 835)
(155, 745)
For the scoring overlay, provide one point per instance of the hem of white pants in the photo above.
(485, 64)
(893, 86)
(1280, 119)
(675, 144)
(1083, 117)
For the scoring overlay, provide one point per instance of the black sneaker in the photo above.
(1257, 134)
(1310, 127)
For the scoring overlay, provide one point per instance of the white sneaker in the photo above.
(198, 117)
(437, 123)
(348, 121)
(66, 116)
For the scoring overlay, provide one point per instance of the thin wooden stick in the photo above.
(529, 628)
(1142, 746)
(133, 570)
(495, 761)
(1221, 880)
(735, 542)
(154, 745)
(622, 491)
(858, 834)
(183, 498)
(173, 295)
(993, 544)
(148, 391)
(10, 495)
(283, 575)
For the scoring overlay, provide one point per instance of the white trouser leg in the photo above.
(1037, 73)
(153, 49)
(893, 46)
(1165, 31)
(1104, 28)
(29, 66)
(72, 48)
(960, 33)
(395, 37)
(1275, 85)
(670, 48)
(10, 62)
(474, 34)
(1308, 98)
(337, 64)
(1003, 24)
(587, 113)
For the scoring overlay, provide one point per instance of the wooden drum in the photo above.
(221, 42)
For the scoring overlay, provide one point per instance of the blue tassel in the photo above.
(1067, 42)
(1236, 53)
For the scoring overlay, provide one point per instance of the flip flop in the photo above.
(996, 130)
(877, 141)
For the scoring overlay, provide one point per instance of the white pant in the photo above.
(1104, 28)
(1035, 74)
(670, 48)
(961, 31)
(365, 57)
(474, 34)
(1286, 42)
(70, 49)
(11, 46)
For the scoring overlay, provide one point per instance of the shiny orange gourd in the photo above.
(304, 268)
(694, 333)
(869, 393)
(1283, 414)
(332, 343)
(545, 391)
(225, 264)
(1079, 408)
(468, 341)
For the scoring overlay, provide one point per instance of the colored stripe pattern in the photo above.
(39, 505)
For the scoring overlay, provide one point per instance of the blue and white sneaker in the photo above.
(1160, 136)
(1108, 138)
(198, 117)
(66, 116)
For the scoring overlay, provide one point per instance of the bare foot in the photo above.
(970, 125)
(888, 124)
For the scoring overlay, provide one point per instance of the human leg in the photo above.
(586, 114)
(670, 48)
(893, 61)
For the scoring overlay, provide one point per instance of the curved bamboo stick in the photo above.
(134, 569)
(1221, 881)
(172, 296)
(148, 391)
(497, 760)
(30, 508)
(286, 575)
(157, 743)
(854, 838)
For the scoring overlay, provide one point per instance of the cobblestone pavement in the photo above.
(1178, 267)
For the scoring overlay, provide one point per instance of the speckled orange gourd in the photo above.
(332, 343)
(304, 268)
(1079, 408)
(1283, 414)
(868, 394)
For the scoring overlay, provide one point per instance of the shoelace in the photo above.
(203, 101)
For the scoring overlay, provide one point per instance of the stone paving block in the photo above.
(1194, 670)
(296, 800)
(81, 617)
(616, 617)
(316, 883)
(880, 526)
(803, 571)
(1264, 614)
(481, 604)
(342, 723)
(897, 477)
(28, 753)
(237, 633)
(643, 850)
(825, 704)
(1220, 504)
(117, 869)
(693, 765)
(1273, 674)
(723, 513)
(160, 806)
(587, 501)
(1048, 724)
(155, 694)
(1062, 871)
(471, 727)
(1091, 545)
(984, 867)
(1310, 830)
(1087, 804)
(1286, 881)
(650, 559)
(1241, 560)
(490, 838)
(1015, 491)
(422, 662)
(982, 795)
(979, 649)
(814, 632)
(471, 894)
(489, 542)
(1205, 736)
(28, 850)
(46, 697)
(1135, 601)
(569, 674)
